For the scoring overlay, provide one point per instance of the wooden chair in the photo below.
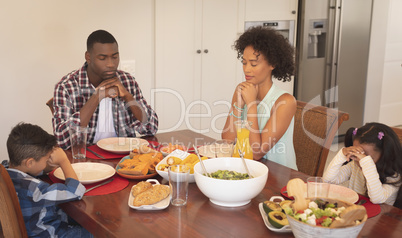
(398, 132)
(50, 105)
(314, 130)
(12, 222)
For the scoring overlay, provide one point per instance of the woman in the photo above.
(265, 54)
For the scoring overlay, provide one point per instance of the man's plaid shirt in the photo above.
(74, 90)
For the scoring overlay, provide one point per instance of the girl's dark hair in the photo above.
(28, 141)
(99, 36)
(275, 48)
(385, 141)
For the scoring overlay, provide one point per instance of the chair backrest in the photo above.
(50, 105)
(398, 132)
(12, 222)
(314, 130)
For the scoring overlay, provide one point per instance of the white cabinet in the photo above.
(391, 97)
(196, 68)
(262, 10)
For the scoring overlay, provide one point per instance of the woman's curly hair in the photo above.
(275, 48)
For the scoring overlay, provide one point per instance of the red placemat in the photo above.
(119, 183)
(104, 153)
(371, 208)
(109, 155)
(154, 145)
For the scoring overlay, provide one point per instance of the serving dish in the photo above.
(301, 229)
(88, 172)
(157, 206)
(179, 154)
(231, 193)
(268, 225)
(129, 176)
(121, 145)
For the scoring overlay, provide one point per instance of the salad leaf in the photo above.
(319, 212)
(327, 221)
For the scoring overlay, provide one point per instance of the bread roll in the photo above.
(141, 187)
(151, 196)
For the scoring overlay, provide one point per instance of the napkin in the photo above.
(371, 208)
(119, 183)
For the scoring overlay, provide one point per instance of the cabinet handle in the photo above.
(198, 51)
(206, 51)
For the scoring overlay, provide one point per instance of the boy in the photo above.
(32, 152)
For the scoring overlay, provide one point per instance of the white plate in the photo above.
(121, 145)
(207, 151)
(176, 153)
(342, 193)
(338, 192)
(167, 153)
(216, 150)
(89, 172)
(268, 225)
(157, 206)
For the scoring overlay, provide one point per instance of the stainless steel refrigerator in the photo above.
(332, 55)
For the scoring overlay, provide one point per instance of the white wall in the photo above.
(391, 97)
(383, 93)
(43, 40)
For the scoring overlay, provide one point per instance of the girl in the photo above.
(372, 163)
(264, 53)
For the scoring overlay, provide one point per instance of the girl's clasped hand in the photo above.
(354, 153)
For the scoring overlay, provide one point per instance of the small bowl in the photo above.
(231, 193)
(179, 154)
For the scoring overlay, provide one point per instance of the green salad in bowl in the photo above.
(327, 217)
(319, 213)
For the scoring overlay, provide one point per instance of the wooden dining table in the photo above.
(110, 216)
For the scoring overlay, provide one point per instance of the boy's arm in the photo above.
(59, 158)
(49, 168)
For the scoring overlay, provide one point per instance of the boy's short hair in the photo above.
(28, 141)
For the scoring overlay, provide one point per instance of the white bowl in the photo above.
(177, 153)
(231, 193)
(301, 229)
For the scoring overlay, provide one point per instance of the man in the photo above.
(98, 96)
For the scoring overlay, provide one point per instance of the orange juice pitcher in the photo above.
(243, 142)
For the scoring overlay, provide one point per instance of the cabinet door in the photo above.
(263, 10)
(193, 87)
(220, 66)
(176, 61)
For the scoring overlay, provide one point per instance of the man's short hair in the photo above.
(99, 36)
(28, 141)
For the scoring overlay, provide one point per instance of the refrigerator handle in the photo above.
(334, 24)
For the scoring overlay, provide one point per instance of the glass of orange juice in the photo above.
(242, 141)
